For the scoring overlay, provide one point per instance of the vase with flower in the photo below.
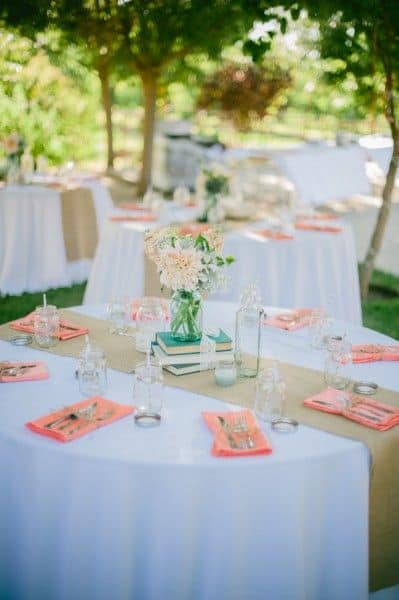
(190, 265)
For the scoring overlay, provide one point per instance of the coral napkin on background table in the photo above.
(299, 316)
(34, 373)
(135, 304)
(317, 227)
(135, 218)
(272, 235)
(104, 413)
(221, 445)
(134, 206)
(317, 216)
(374, 352)
(364, 411)
(68, 330)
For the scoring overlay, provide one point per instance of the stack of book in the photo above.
(181, 358)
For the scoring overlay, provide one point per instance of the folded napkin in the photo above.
(22, 371)
(271, 234)
(135, 218)
(78, 419)
(362, 410)
(223, 435)
(374, 352)
(133, 206)
(316, 227)
(68, 330)
(194, 228)
(290, 320)
(317, 216)
(135, 304)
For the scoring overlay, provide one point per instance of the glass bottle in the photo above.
(248, 333)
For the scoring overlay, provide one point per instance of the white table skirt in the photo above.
(315, 269)
(32, 251)
(132, 513)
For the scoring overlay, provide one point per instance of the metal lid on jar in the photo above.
(21, 340)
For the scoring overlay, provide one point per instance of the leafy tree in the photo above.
(243, 92)
(362, 37)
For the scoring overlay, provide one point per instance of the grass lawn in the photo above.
(380, 310)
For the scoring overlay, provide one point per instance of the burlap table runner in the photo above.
(301, 383)
(79, 223)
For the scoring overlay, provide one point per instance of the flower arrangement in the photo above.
(14, 146)
(190, 265)
(214, 181)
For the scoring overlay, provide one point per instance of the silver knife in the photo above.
(226, 429)
(68, 415)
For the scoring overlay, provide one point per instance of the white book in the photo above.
(189, 359)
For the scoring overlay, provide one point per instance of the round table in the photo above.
(314, 269)
(131, 513)
(32, 251)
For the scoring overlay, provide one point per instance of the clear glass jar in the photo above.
(269, 395)
(46, 326)
(150, 319)
(148, 393)
(248, 333)
(186, 316)
(92, 371)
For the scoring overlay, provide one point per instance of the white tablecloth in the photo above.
(321, 174)
(132, 513)
(314, 269)
(32, 252)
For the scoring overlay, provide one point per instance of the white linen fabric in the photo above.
(32, 252)
(323, 174)
(314, 269)
(132, 513)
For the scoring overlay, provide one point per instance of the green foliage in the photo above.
(42, 104)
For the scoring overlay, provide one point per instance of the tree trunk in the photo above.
(103, 73)
(383, 215)
(149, 81)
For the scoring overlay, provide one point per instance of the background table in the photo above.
(314, 269)
(132, 513)
(32, 251)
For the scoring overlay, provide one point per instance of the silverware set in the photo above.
(84, 415)
(238, 433)
(15, 371)
(368, 411)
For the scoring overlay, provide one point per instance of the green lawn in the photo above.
(380, 310)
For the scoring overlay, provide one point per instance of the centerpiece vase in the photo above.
(186, 316)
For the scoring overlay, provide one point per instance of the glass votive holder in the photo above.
(148, 393)
(118, 315)
(92, 371)
(46, 326)
(225, 373)
(150, 318)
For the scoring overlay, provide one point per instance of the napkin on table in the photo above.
(221, 446)
(104, 413)
(300, 318)
(68, 330)
(364, 353)
(317, 227)
(317, 216)
(364, 411)
(134, 206)
(131, 218)
(34, 373)
(271, 234)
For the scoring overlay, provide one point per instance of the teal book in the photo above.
(172, 346)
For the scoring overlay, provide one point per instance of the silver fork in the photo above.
(240, 426)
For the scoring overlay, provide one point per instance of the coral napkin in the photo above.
(221, 445)
(315, 227)
(65, 428)
(136, 304)
(272, 235)
(374, 352)
(133, 206)
(362, 410)
(25, 371)
(68, 329)
(290, 320)
(317, 216)
(194, 228)
(135, 219)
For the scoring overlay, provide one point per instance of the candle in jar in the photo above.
(225, 374)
